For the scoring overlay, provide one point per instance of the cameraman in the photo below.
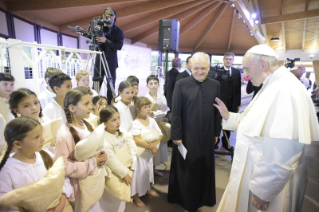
(230, 93)
(109, 43)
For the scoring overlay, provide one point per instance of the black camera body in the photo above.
(97, 28)
(220, 74)
(291, 62)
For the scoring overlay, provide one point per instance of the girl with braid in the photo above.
(77, 107)
(25, 103)
(29, 163)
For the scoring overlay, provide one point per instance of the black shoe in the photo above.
(229, 148)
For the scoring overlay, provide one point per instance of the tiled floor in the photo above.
(223, 166)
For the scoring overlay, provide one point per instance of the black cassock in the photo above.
(196, 122)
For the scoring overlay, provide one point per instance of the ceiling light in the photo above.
(239, 16)
(256, 21)
(274, 39)
(232, 5)
(253, 16)
(251, 33)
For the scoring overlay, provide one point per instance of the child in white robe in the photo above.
(114, 140)
(83, 79)
(60, 84)
(47, 95)
(6, 87)
(159, 111)
(144, 175)
(29, 163)
(3, 144)
(78, 107)
(125, 91)
(24, 102)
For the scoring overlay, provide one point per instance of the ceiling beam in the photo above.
(231, 29)
(128, 11)
(283, 34)
(160, 15)
(180, 16)
(245, 13)
(261, 27)
(211, 25)
(304, 34)
(202, 15)
(23, 5)
(290, 17)
(306, 5)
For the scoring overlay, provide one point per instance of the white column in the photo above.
(16, 63)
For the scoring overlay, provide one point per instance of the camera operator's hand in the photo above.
(222, 108)
(101, 39)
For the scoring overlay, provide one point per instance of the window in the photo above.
(183, 57)
(171, 56)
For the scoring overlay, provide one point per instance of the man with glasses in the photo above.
(109, 43)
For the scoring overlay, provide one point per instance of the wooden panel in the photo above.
(291, 17)
(23, 5)
(294, 34)
(218, 37)
(311, 38)
(161, 14)
(211, 25)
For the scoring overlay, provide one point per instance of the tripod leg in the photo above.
(107, 74)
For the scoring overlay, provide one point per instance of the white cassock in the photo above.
(54, 111)
(45, 97)
(271, 134)
(160, 109)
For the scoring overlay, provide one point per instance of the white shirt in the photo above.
(45, 97)
(228, 70)
(190, 73)
(126, 116)
(54, 111)
(94, 92)
(16, 174)
(5, 110)
(138, 126)
(159, 106)
(43, 119)
(305, 81)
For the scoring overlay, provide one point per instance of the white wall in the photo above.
(48, 37)
(69, 42)
(23, 30)
(3, 24)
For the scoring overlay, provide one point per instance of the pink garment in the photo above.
(74, 169)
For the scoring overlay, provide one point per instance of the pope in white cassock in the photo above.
(269, 171)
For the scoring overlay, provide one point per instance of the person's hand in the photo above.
(101, 39)
(154, 150)
(101, 158)
(222, 108)
(216, 139)
(177, 142)
(127, 179)
(165, 119)
(259, 203)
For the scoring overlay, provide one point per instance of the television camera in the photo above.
(290, 63)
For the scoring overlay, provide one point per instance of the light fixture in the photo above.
(311, 56)
(274, 39)
(244, 21)
(239, 16)
(256, 21)
(251, 33)
(253, 16)
(232, 5)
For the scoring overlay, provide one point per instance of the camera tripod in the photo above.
(106, 69)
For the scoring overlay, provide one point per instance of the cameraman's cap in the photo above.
(109, 12)
(262, 49)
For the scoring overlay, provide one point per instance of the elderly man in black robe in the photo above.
(195, 124)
